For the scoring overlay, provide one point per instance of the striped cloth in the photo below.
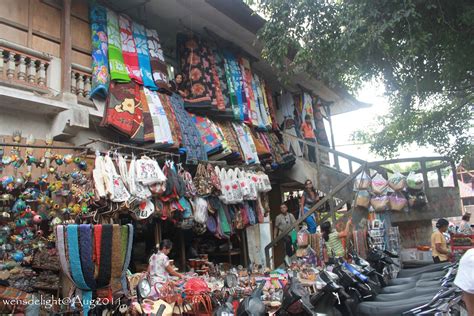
(334, 244)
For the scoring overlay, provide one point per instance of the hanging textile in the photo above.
(246, 143)
(148, 128)
(139, 35)
(100, 68)
(122, 107)
(129, 50)
(217, 95)
(161, 127)
(263, 151)
(235, 81)
(230, 137)
(307, 108)
(118, 71)
(208, 136)
(271, 105)
(226, 149)
(250, 113)
(262, 113)
(321, 135)
(157, 60)
(223, 80)
(191, 137)
(195, 69)
(172, 121)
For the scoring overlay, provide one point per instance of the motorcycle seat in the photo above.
(407, 294)
(396, 307)
(429, 268)
(424, 276)
(403, 287)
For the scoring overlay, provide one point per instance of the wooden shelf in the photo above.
(231, 253)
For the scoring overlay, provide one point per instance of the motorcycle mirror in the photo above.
(230, 281)
(143, 289)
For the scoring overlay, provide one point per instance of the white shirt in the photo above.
(465, 276)
(157, 267)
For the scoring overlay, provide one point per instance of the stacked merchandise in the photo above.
(130, 72)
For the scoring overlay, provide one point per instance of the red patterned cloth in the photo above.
(129, 49)
(172, 121)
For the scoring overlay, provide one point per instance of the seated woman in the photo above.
(333, 240)
(160, 269)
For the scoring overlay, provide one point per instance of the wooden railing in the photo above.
(22, 67)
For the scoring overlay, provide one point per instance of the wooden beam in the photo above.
(66, 47)
(29, 38)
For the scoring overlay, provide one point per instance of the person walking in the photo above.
(283, 221)
(465, 279)
(439, 245)
(333, 239)
(309, 198)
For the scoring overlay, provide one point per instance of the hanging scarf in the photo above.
(233, 68)
(259, 106)
(60, 245)
(271, 105)
(87, 264)
(123, 107)
(208, 136)
(194, 68)
(157, 60)
(244, 141)
(129, 50)
(148, 129)
(250, 112)
(307, 108)
(76, 268)
(231, 138)
(128, 256)
(100, 69)
(140, 38)
(97, 240)
(172, 121)
(218, 97)
(161, 128)
(263, 104)
(118, 71)
(117, 263)
(138, 129)
(221, 74)
(195, 150)
(105, 261)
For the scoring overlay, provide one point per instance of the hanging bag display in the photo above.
(362, 198)
(136, 189)
(226, 187)
(201, 181)
(397, 201)
(264, 184)
(362, 181)
(119, 191)
(414, 181)
(252, 179)
(98, 176)
(379, 202)
(200, 210)
(148, 171)
(213, 178)
(397, 181)
(379, 184)
(237, 196)
(188, 182)
(243, 183)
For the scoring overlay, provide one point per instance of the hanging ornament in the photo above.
(77, 160)
(58, 159)
(41, 163)
(21, 222)
(17, 239)
(6, 160)
(39, 233)
(82, 165)
(19, 206)
(5, 230)
(51, 169)
(7, 181)
(75, 175)
(43, 180)
(16, 139)
(56, 221)
(18, 256)
(30, 140)
(19, 182)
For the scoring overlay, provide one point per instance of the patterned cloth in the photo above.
(139, 35)
(100, 68)
(172, 121)
(249, 108)
(148, 127)
(217, 94)
(263, 104)
(231, 138)
(129, 50)
(271, 106)
(118, 71)
(191, 137)
(157, 60)
(222, 75)
(246, 143)
(123, 107)
(161, 127)
(235, 84)
(195, 67)
(208, 135)
(321, 135)
(157, 267)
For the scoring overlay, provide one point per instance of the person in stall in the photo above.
(159, 268)
(177, 84)
(307, 131)
(465, 227)
(284, 221)
(439, 245)
(309, 198)
(333, 239)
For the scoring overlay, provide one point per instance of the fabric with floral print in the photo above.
(100, 67)
(221, 73)
(251, 115)
(196, 72)
(236, 85)
(139, 35)
(173, 122)
(191, 138)
(161, 127)
(118, 71)
(129, 49)
(208, 136)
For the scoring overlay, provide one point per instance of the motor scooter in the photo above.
(253, 305)
(295, 300)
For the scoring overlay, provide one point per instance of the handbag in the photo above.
(148, 171)
(243, 183)
(119, 192)
(137, 190)
(98, 176)
(200, 210)
(252, 180)
(264, 184)
(201, 181)
(237, 196)
(213, 178)
(190, 188)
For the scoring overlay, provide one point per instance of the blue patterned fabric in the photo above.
(100, 63)
(139, 35)
(237, 83)
(85, 240)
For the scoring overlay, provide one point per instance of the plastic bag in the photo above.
(200, 210)
(415, 181)
(397, 181)
(397, 201)
(302, 237)
(379, 202)
(362, 198)
(362, 182)
(417, 200)
(379, 184)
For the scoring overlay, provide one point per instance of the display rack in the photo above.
(460, 244)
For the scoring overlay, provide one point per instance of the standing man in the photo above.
(308, 133)
(282, 222)
(439, 246)
(465, 279)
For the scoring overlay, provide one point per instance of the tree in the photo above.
(422, 50)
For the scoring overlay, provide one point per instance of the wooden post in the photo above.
(440, 178)
(29, 37)
(328, 112)
(182, 250)
(424, 174)
(66, 47)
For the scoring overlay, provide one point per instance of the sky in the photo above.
(345, 124)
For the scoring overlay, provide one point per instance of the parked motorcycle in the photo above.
(252, 305)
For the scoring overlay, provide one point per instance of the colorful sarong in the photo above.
(237, 82)
(161, 127)
(157, 60)
(129, 50)
(192, 143)
(118, 71)
(208, 136)
(100, 68)
(122, 107)
(195, 70)
(172, 121)
(140, 38)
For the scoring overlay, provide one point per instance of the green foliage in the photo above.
(422, 50)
